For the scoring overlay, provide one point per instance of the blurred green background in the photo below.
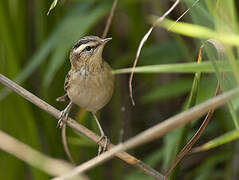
(34, 50)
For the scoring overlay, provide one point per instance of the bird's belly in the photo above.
(90, 92)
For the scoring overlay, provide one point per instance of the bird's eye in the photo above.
(88, 48)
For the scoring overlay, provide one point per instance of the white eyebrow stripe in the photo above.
(82, 47)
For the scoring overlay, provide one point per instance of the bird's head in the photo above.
(88, 50)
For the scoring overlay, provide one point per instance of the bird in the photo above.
(90, 81)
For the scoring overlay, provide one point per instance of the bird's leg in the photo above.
(103, 136)
(64, 115)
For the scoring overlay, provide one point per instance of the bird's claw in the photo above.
(106, 141)
(59, 123)
(63, 116)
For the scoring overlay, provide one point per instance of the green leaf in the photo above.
(204, 67)
(224, 84)
(202, 32)
(223, 139)
(53, 5)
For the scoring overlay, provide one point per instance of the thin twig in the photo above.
(191, 102)
(109, 20)
(194, 139)
(144, 39)
(156, 131)
(63, 136)
(76, 126)
(185, 12)
(65, 145)
(36, 159)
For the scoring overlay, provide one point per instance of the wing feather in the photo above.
(66, 86)
(67, 81)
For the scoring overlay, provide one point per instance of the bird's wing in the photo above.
(65, 98)
(67, 81)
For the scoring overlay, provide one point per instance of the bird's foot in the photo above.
(104, 148)
(63, 117)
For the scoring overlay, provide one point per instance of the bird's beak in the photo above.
(104, 41)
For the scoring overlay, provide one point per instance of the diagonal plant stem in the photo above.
(156, 131)
(36, 159)
(109, 20)
(65, 145)
(190, 103)
(185, 12)
(197, 135)
(194, 139)
(76, 126)
(146, 136)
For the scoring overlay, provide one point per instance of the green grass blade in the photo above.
(224, 83)
(221, 140)
(53, 5)
(182, 133)
(201, 32)
(204, 67)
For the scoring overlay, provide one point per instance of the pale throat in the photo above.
(92, 64)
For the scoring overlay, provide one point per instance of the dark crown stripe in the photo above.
(83, 41)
